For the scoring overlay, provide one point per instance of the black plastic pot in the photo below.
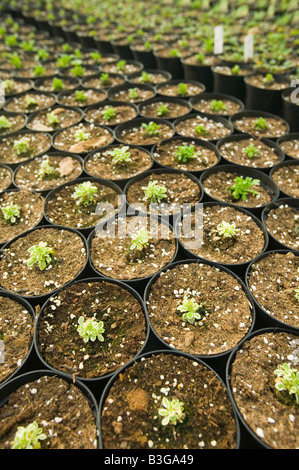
(248, 432)
(257, 114)
(274, 243)
(230, 84)
(172, 65)
(165, 100)
(285, 138)
(148, 354)
(110, 104)
(290, 110)
(216, 361)
(122, 48)
(127, 86)
(147, 58)
(11, 386)
(226, 123)
(264, 99)
(265, 318)
(32, 116)
(286, 163)
(200, 72)
(137, 122)
(215, 96)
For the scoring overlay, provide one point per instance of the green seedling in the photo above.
(227, 230)
(52, 119)
(251, 151)
(121, 65)
(200, 58)
(191, 309)
(268, 80)
(154, 193)
(81, 135)
(297, 294)
(22, 145)
(242, 187)
(287, 380)
(133, 93)
(261, 124)
(46, 171)
(11, 213)
(30, 102)
(90, 329)
(185, 153)
(38, 70)
(28, 437)
(80, 95)
(85, 193)
(218, 105)
(145, 77)
(162, 110)
(41, 254)
(109, 113)
(64, 60)
(235, 70)
(57, 84)
(42, 54)
(174, 53)
(140, 240)
(8, 86)
(16, 61)
(105, 78)
(201, 130)
(183, 89)
(152, 128)
(5, 123)
(96, 56)
(296, 230)
(120, 155)
(172, 411)
(77, 71)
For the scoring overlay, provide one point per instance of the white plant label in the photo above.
(218, 40)
(248, 47)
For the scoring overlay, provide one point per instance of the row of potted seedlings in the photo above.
(135, 389)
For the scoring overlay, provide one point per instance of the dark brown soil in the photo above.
(206, 106)
(204, 157)
(174, 110)
(5, 178)
(290, 147)
(16, 87)
(101, 164)
(60, 409)
(111, 255)
(213, 130)
(273, 281)
(137, 135)
(60, 344)
(287, 179)
(281, 223)
(112, 68)
(155, 78)
(66, 118)
(49, 71)
(123, 113)
(66, 169)
(39, 142)
(47, 85)
(70, 257)
(206, 243)
(217, 186)
(18, 103)
(63, 209)
(253, 385)
(31, 212)
(226, 70)
(181, 192)
(16, 332)
(257, 80)
(124, 95)
(96, 82)
(208, 60)
(92, 97)
(98, 137)
(227, 311)
(17, 123)
(130, 418)
(234, 151)
(275, 127)
(170, 89)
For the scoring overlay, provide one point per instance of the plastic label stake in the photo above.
(248, 47)
(218, 40)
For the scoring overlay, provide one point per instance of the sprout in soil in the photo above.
(162, 110)
(183, 89)
(287, 380)
(85, 193)
(28, 437)
(218, 105)
(64, 60)
(201, 130)
(172, 411)
(121, 65)
(4, 123)
(261, 124)
(30, 102)
(297, 294)
(90, 329)
(77, 71)
(154, 192)
(152, 128)
(46, 171)
(8, 86)
(109, 113)
(145, 77)
(80, 95)
(140, 240)
(16, 61)
(120, 155)
(296, 230)
(57, 84)
(105, 78)
(133, 93)
(42, 54)
(235, 70)
(174, 53)
(40, 254)
(22, 145)
(200, 58)
(38, 70)
(268, 80)
(191, 309)
(96, 56)
(11, 213)
(80, 135)
(251, 151)
(242, 187)
(227, 230)
(52, 119)
(185, 153)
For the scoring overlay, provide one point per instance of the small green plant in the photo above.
(268, 79)
(242, 187)
(152, 128)
(201, 130)
(42, 54)
(251, 151)
(162, 110)
(90, 329)
(16, 61)
(57, 84)
(183, 89)
(172, 411)
(296, 230)
(96, 56)
(133, 93)
(185, 153)
(121, 65)
(11, 213)
(9, 86)
(120, 155)
(30, 102)
(28, 437)
(64, 60)
(105, 78)
(235, 70)
(200, 57)
(80, 95)
(109, 113)
(297, 294)
(85, 193)
(46, 171)
(261, 124)
(22, 145)
(52, 119)
(145, 77)
(41, 254)
(227, 230)
(77, 71)
(140, 240)
(81, 135)
(174, 53)
(191, 309)
(154, 193)
(218, 105)
(38, 70)
(4, 123)
(287, 380)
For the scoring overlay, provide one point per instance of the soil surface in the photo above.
(16, 86)
(60, 409)
(173, 89)
(227, 70)
(91, 97)
(40, 101)
(66, 117)
(287, 179)
(5, 178)
(46, 85)
(123, 113)
(96, 82)
(208, 61)
(136, 134)
(273, 281)
(126, 96)
(16, 332)
(96, 137)
(16, 123)
(276, 127)
(126, 70)
(171, 110)
(225, 314)
(60, 344)
(207, 106)
(130, 416)
(208, 129)
(154, 78)
(281, 222)
(38, 143)
(235, 152)
(290, 147)
(258, 82)
(253, 387)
